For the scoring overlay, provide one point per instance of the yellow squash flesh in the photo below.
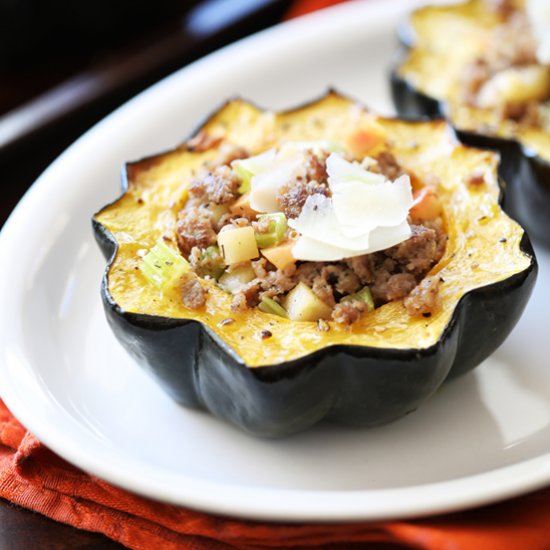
(483, 247)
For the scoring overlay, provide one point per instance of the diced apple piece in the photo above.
(281, 255)
(267, 305)
(240, 168)
(426, 204)
(242, 207)
(234, 280)
(238, 245)
(302, 304)
(276, 224)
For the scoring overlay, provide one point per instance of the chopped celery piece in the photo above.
(246, 168)
(163, 265)
(276, 233)
(363, 295)
(212, 263)
(246, 175)
(267, 305)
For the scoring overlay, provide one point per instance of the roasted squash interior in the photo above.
(445, 39)
(483, 247)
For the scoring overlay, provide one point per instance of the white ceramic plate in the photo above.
(481, 438)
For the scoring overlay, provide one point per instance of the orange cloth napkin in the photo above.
(34, 477)
(301, 7)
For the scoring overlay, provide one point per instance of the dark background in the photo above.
(65, 64)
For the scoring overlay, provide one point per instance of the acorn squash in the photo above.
(440, 43)
(372, 372)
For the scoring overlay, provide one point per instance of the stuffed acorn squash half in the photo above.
(282, 268)
(485, 65)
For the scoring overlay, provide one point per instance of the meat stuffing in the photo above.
(311, 180)
(387, 165)
(194, 228)
(192, 293)
(392, 274)
(219, 186)
(424, 299)
(348, 312)
(418, 252)
(294, 194)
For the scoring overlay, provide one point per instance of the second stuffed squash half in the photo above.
(484, 65)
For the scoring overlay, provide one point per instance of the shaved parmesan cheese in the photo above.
(361, 207)
(341, 170)
(308, 249)
(316, 251)
(364, 200)
(265, 184)
(318, 221)
(270, 170)
(254, 165)
(366, 213)
(386, 237)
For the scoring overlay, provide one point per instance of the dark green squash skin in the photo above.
(527, 197)
(354, 385)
